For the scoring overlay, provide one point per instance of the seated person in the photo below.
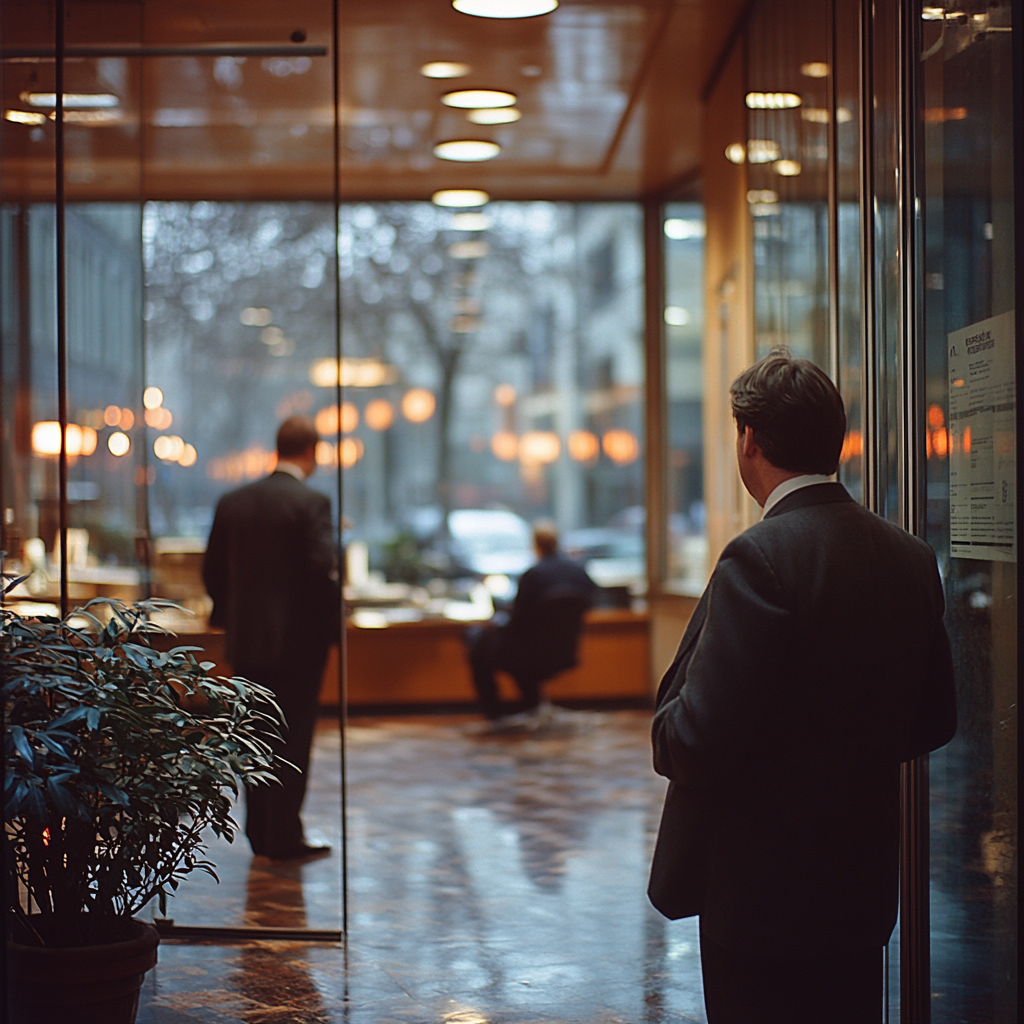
(542, 635)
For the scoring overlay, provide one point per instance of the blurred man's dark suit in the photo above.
(271, 569)
(815, 663)
(541, 637)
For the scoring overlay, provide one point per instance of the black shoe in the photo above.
(301, 852)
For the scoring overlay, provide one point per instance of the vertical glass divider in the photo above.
(342, 645)
(915, 966)
(833, 198)
(61, 305)
(654, 386)
(869, 356)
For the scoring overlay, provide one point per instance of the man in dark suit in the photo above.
(541, 637)
(815, 663)
(271, 569)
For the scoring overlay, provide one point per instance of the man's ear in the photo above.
(749, 445)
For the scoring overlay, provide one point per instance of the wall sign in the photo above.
(982, 450)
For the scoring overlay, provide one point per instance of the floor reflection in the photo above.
(493, 879)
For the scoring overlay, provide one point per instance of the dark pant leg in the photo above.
(273, 822)
(762, 987)
(483, 645)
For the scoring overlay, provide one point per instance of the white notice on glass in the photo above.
(982, 452)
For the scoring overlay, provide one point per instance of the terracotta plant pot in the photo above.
(79, 985)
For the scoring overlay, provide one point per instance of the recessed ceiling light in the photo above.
(787, 168)
(460, 197)
(503, 115)
(478, 99)
(470, 222)
(72, 100)
(762, 151)
(505, 8)
(445, 69)
(467, 150)
(24, 116)
(773, 100)
(814, 69)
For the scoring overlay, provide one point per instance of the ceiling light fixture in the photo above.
(467, 150)
(773, 100)
(503, 115)
(445, 69)
(787, 168)
(762, 195)
(72, 100)
(469, 222)
(477, 99)
(814, 69)
(24, 116)
(763, 151)
(735, 153)
(460, 198)
(505, 8)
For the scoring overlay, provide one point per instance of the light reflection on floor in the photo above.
(493, 880)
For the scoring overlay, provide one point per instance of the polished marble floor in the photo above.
(493, 879)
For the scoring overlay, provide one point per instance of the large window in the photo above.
(686, 550)
(493, 375)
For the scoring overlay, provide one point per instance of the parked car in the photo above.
(613, 557)
(490, 542)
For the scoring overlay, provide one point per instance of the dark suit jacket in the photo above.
(536, 644)
(271, 569)
(815, 663)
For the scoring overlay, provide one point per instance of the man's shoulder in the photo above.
(847, 524)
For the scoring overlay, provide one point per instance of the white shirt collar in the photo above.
(290, 468)
(794, 483)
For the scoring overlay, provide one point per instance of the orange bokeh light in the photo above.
(583, 445)
(940, 442)
(127, 419)
(936, 417)
(620, 446)
(112, 415)
(379, 414)
(505, 445)
(504, 394)
(327, 420)
(159, 418)
(351, 452)
(537, 447)
(418, 405)
(967, 439)
(853, 446)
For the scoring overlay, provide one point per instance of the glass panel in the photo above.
(106, 482)
(885, 213)
(31, 435)
(787, 157)
(847, 155)
(494, 372)
(686, 545)
(967, 98)
(239, 312)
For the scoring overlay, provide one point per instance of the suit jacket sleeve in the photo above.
(215, 567)
(935, 720)
(706, 720)
(322, 566)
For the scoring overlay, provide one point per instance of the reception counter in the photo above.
(424, 663)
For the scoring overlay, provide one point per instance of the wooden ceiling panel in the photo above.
(608, 91)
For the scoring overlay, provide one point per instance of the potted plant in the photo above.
(117, 757)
